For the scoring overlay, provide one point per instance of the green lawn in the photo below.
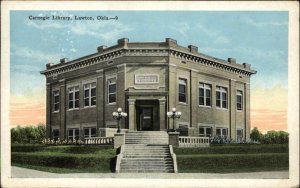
(65, 159)
(101, 159)
(232, 158)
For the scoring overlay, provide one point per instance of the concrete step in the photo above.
(146, 152)
(145, 156)
(163, 164)
(145, 171)
(145, 168)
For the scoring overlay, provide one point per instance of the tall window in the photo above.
(111, 90)
(90, 94)
(204, 94)
(205, 131)
(239, 100)
(221, 131)
(239, 135)
(74, 97)
(89, 132)
(182, 91)
(55, 134)
(56, 101)
(221, 97)
(73, 134)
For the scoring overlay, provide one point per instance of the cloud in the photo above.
(45, 25)
(180, 27)
(269, 108)
(73, 50)
(266, 119)
(28, 108)
(272, 98)
(216, 36)
(34, 55)
(250, 21)
(101, 30)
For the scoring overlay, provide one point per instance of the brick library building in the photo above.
(146, 80)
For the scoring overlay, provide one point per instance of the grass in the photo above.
(65, 159)
(101, 159)
(232, 158)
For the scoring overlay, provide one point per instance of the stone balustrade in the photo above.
(99, 140)
(187, 141)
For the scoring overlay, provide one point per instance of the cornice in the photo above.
(120, 52)
(211, 62)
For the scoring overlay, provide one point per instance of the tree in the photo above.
(256, 134)
(29, 134)
(271, 137)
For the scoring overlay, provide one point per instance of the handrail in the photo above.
(119, 158)
(99, 140)
(173, 155)
(186, 141)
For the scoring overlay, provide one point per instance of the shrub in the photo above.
(232, 163)
(271, 137)
(234, 149)
(256, 134)
(28, 135)
(62, 161)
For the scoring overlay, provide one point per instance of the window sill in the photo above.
(55, 112)
(239, 111)
(202, 106)
(87, 107)
(73, 109)
(183, 103)
(109, 104)
(224, 109)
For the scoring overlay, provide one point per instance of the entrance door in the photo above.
(146, 116)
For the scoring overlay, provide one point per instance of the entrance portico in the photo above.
(147, 114)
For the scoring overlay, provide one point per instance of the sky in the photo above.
(255, 37)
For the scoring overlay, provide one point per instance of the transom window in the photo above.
(90, 94)
(239, 100)
(221, 97)
(182, 90)
(205, 131)
(56, 101)
(221, 131)
(111, 84)
(204, 94)
(90, 132)
(239, 134)
(55, 134)
(74, 97)
(73, 134)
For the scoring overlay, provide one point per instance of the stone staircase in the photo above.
(147, 152)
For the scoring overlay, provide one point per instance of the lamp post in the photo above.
(173, 114)
(118, 116)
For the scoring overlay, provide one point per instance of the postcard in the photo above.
(143, 94)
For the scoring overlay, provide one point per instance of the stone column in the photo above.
(131, 115)
(174, 139)
(121, 77)
(62, 109)
(119, 140)
(193, 101)
(172, 90)
(48, 111)
(232, 109)
(100, 101)
(247, 110)
(162, 114)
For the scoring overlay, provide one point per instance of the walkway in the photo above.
(18, 172)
